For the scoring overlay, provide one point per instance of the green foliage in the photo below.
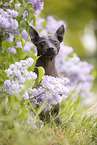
(41, 72)
(30, 12)
(78, 125)
(24, 25)
(6, 44)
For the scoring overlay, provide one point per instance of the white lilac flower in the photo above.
(9, 24)
(13, 13)
(4, 22)
(14, 24)
(52, 90)
(18, 74)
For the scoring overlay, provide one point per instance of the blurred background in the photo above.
(80, 17)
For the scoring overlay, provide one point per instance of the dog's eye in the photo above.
(55, 41)
(43, 42)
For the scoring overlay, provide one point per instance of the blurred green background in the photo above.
(80, 17)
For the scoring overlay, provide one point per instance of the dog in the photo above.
(47, 48)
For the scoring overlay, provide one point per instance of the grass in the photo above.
(79, 126)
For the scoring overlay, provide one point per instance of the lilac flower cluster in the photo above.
(8, 21)
(52, 90)
(77, 71)
(61, 57)
(18, 74)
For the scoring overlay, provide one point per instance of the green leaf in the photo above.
(6, 44)
(1, 80)
(23, 1)
(21, 54)
(21, 10)
(28, 83)
(30, 10)
(2, 94)
(41, 73)
(7, 35)
(20, 1)
(3, 74)
(34, 20)
(23, 41)
(23, 25)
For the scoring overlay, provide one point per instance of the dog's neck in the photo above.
(48, 64)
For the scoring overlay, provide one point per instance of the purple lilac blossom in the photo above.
(37, 4)
(7, 22)
(24, 34)
(61, 57)
(52, 90)
(18, 74)
(77, 71)
(52, 24)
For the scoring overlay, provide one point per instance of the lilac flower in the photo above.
(52, 90)
(26, 95)
(39, 23)
(7, 22)
(77, 71)
(24, 34)
(4, 22)
(12, 13)
(37, 4)
(27, 46)
(52, 24)
(18, 74)
(13, 50)
(61, 57)
(11, 37)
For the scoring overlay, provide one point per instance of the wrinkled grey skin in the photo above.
(47, 48)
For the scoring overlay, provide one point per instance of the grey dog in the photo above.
(47, 48)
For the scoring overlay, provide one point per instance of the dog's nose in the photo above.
(50, 49)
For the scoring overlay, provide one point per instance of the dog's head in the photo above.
(48, 45)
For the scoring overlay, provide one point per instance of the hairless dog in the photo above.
(47, 48)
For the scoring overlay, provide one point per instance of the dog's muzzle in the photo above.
(51, 51)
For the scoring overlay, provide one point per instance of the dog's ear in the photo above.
(60, 33)
(34, 35)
